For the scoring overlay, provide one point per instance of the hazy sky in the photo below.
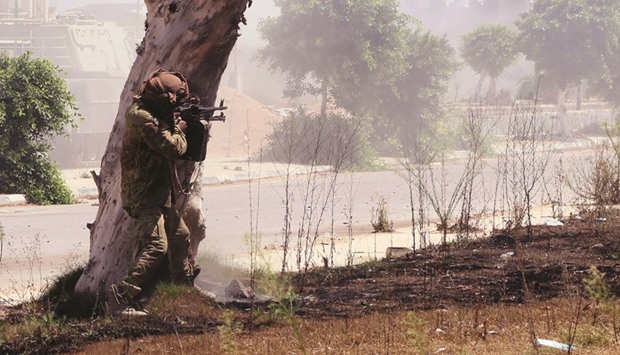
(259, 9)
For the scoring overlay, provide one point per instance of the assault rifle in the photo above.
(192, 111)
(198, 119)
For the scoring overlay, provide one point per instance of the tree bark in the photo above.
(491, 91)
(479, 88)
(192, 37)
(562, 129)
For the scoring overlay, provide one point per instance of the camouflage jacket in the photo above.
(150, 147)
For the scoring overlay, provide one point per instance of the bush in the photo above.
(35, 105)
(379, 217)
(337, 140)
(37, 177)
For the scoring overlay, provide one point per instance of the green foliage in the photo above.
(35, 105)
(333, 43)
(418, 103)
(379, 216)
(286, 306)
(59, 297)
(416, 333)
(571, 40)
(336, 140)
(595, 286)
(36, 176)
(367, 56)
(229, 331)
(489, 49)
(285, 309)
(62, 286)
(171, 290)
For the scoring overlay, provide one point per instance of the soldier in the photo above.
(153, 139)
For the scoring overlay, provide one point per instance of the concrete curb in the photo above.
(12, 200)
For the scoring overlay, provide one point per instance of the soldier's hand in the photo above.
(182, 125)
(152, 126)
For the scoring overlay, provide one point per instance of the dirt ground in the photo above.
(553, 263)
(507, 269)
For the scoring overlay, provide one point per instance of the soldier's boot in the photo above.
(206, 294)
(181, 279)
(194, 274)
(124, 293)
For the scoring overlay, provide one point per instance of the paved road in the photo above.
(40, 240)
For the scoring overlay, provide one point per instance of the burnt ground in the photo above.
(549, 262)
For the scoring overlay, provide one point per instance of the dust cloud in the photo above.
(124, 22)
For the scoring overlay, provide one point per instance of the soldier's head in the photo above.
(164, 89)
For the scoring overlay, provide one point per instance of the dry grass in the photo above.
(465, 300)
(477, 330)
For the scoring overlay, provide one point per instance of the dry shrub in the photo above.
(380, 220)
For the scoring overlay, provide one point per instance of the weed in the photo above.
(229, 330)
(595, 287)
(287, 306)
(416, 333)
(379, 216)
(172, 291)
(287, 303)
(58, 296)
(28, 279)
(592, 336)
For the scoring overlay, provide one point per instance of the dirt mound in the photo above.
(247, 121)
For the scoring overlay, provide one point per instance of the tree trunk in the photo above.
(562, 130)
(491, 91)
(194, 38)
(579, 95)
(479, 88)
(324, 98)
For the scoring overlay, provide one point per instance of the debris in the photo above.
(237, 290)
(398, 252)
(553, 222)
(311, 299)
(440, 350)
(507, 255)
(556, 345)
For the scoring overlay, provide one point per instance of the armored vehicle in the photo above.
(96, 58)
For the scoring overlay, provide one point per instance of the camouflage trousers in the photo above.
(159, 231)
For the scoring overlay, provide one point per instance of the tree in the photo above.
(489, 50)
(336, 49)
(194, 38)
(570, 41)
(35, 105)
(416, 105)
(366, 56)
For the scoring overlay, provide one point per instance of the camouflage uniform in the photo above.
(150, 146)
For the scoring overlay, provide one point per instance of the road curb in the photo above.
(12, 200)
(18, 199)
